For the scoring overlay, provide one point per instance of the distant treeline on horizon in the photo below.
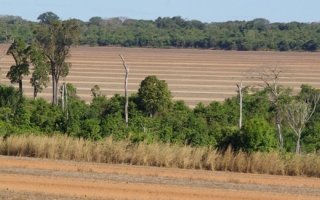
(176, 32)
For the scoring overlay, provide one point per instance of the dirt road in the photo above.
(29, 178)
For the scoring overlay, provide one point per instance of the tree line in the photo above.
(254, 120)
(154, 117)
(176, 32)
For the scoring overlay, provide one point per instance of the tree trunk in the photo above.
(126, 94)
(240, 117)
(62, 98)
(126, 90)
(66, 94)
(20, 84)
(298, 143)
(55, 90)
(35, 92)
(151, 113)
(240, 104)
(279, 129)
(53, 86)
(280, 136)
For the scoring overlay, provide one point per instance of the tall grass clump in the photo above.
(160, 155)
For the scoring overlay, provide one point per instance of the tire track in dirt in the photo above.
(31, 177)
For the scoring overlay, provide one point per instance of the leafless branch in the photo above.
(268, 76)
(315, 99)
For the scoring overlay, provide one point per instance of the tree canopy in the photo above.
(154, 95)
(55, 40)
(19, 52)
(48, 17)
(41, 69)
(177, 32)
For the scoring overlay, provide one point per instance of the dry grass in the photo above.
(160, 154)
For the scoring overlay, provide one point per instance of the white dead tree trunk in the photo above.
(64, 99)
(298, 114)
(239, 86)
(270, 76)
(125, 89)
(66, 95)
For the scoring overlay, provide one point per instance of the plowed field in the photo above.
(28, 178)
(192, 75)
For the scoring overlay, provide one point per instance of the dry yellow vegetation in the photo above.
(160, 155)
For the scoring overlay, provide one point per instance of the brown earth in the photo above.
(29, 178)
(192, 75)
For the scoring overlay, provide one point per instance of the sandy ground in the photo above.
(29, 178)
(192, 75)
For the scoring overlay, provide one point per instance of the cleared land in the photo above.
(29, 178)
(192, 75)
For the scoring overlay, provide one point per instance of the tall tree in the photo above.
(270, 75)
(47, 17)
(125, 89)
(154, 95)
(56, 40)
(298, 114)
(95, 20)
(19, 53)
(41, 69)
(300, 110)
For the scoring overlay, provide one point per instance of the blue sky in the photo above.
(203, 10)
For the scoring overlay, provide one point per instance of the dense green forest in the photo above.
(176, 32)
(254, 120)
(215, 124)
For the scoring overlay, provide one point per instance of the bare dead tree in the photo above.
(239, 86)
(66, 95)
(270, 75)
(62, 96)
(125, 89)
(298, 114)
(122, 18)
(64, 99)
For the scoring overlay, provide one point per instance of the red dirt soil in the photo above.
(81, 180)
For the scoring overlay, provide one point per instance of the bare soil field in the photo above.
(30, 178)
(192, 75)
